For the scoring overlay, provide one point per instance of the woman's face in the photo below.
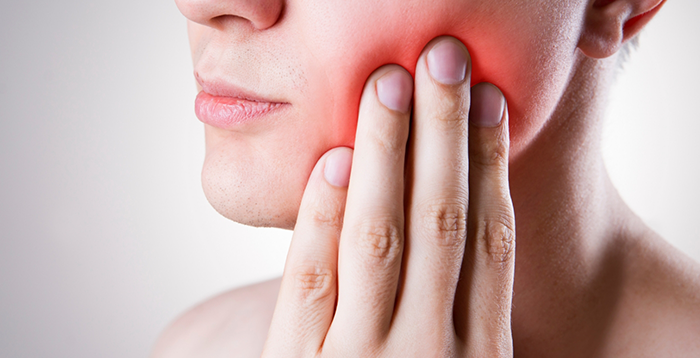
(315, 55)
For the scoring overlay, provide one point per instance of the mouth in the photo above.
(226, 106)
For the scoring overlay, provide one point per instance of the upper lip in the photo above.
(224, 89)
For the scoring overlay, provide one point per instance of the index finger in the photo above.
(371, 242)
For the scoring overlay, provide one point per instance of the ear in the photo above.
(609, 24)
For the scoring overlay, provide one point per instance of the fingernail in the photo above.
(487, 105)
(395, 89)
(337, 169)
(447, 62)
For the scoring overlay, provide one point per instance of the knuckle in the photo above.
(445, 223)
(450, 113)
(389, 136)
(489, 150)
(497, 239)
(327, 219)
(313, 283)
(379, 241)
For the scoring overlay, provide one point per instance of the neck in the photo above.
(568, 216)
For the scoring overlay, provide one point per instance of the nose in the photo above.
(261, 13)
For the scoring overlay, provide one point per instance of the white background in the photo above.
(105, 235)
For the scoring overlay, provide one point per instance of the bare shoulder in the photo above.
(234, 321)
(660, 307)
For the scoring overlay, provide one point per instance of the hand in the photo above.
(415, 258)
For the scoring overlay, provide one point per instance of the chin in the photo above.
(259, 204)
(257, 189)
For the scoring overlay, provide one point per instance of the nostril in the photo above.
(229, 21)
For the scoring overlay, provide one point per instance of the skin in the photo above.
(590, 278)
(321, 66)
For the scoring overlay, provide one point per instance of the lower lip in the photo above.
(229, 112)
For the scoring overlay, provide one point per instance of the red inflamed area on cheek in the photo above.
(498, 55)
(405, 55)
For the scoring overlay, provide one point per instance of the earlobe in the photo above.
(608, 24)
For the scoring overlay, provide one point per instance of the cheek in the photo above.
(525, 60)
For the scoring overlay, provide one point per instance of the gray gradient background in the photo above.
(105, 235)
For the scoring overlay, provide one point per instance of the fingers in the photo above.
(437, 178)
(307, 295)
(455, 267)
(371, 243)
(486, 283)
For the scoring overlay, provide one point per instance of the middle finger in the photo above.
(437, 182)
